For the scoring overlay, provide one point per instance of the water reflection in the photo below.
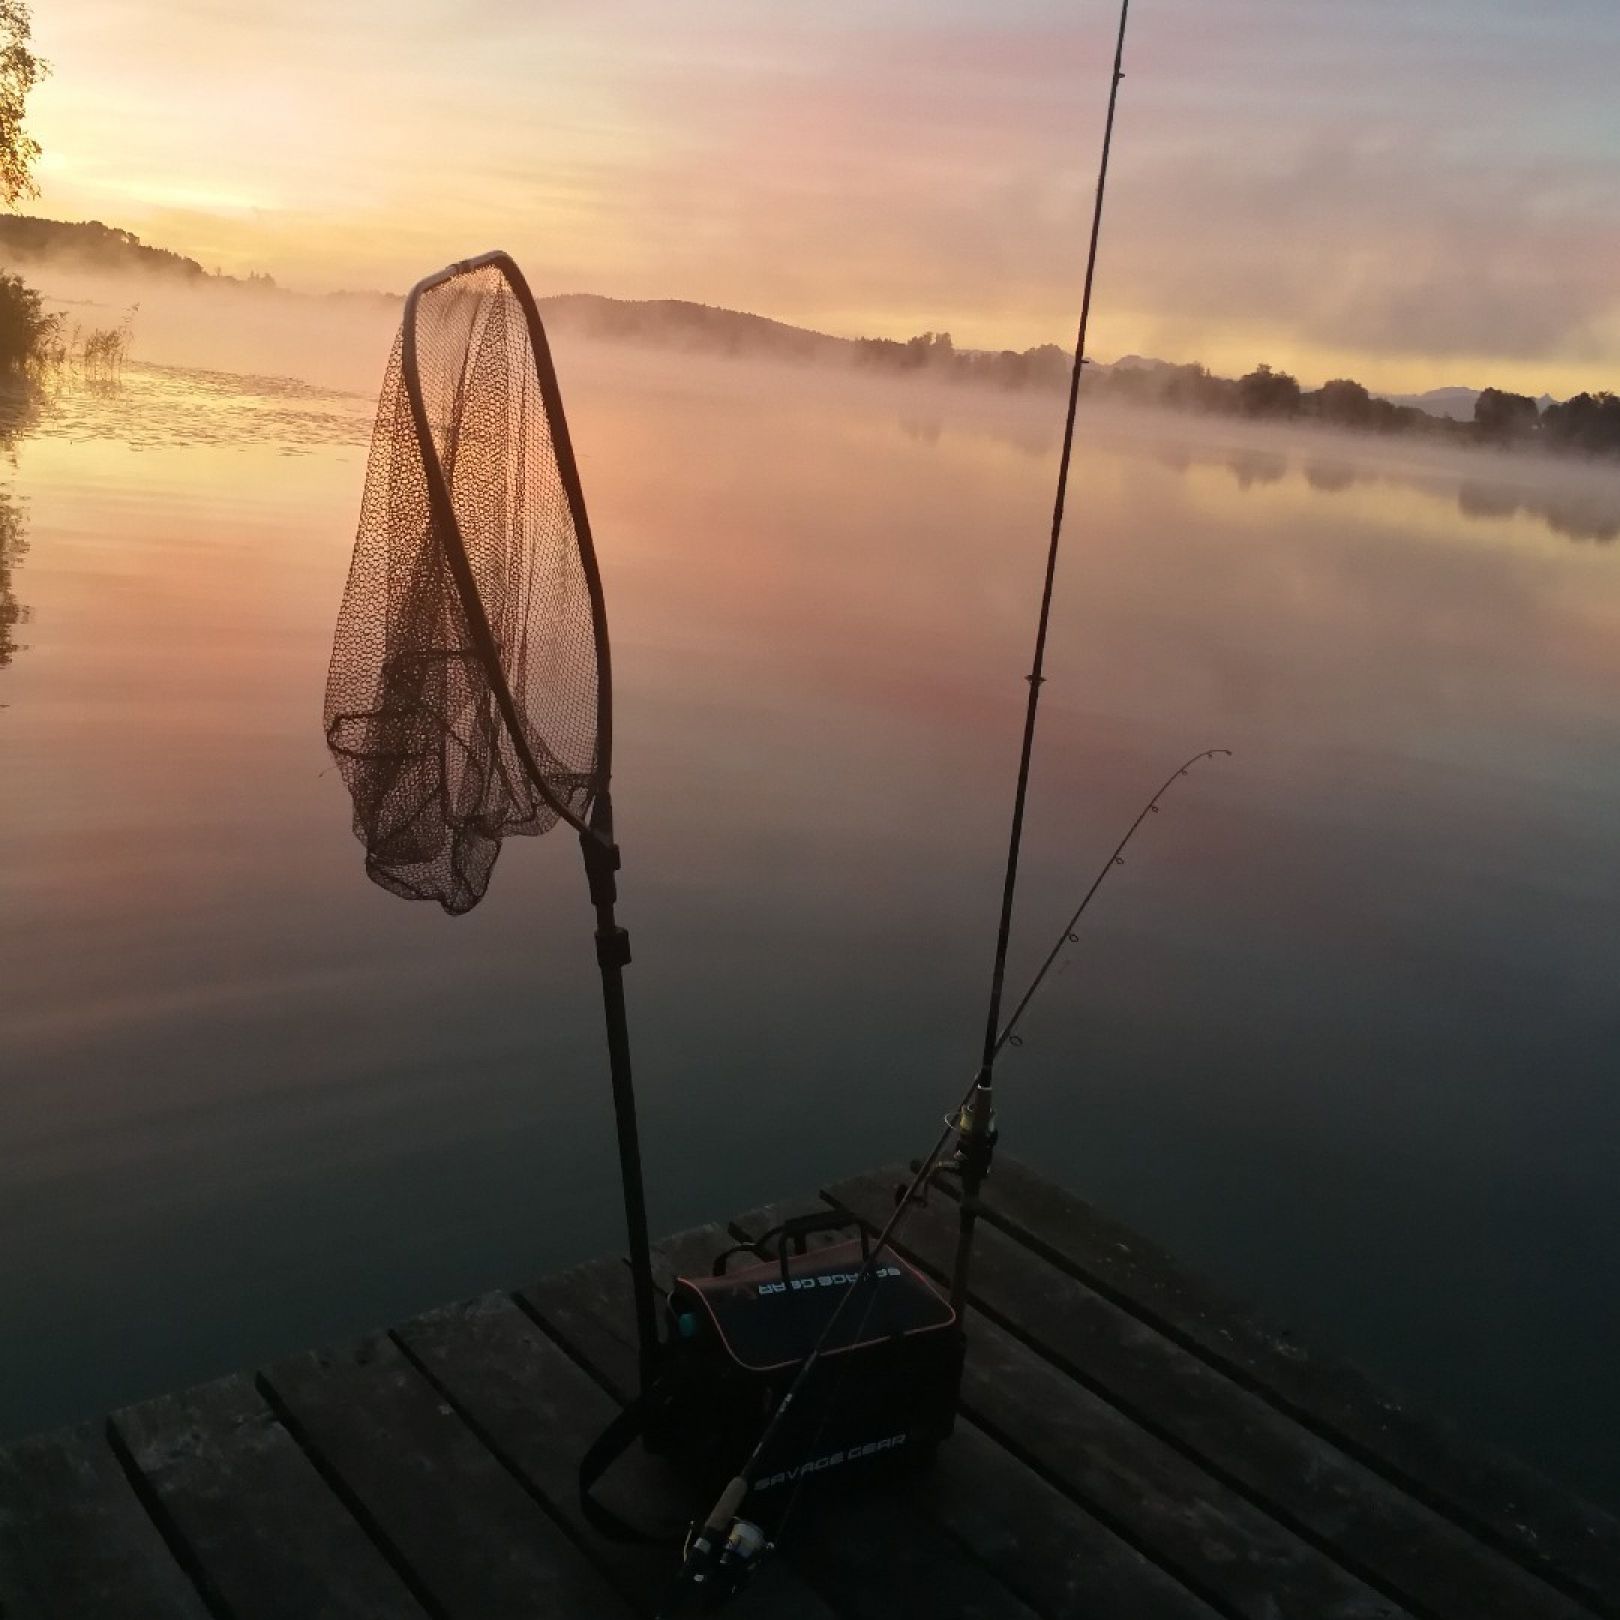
(1586, 508)
(19, 410)
(13, 547)
(1572, 499)
(1257, 467)
(175, 408)
(1578, 516)
(1329, 476)
(172, 409)
(1344, 1030)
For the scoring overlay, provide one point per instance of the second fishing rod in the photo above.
(723, 1547)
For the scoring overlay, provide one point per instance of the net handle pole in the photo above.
(976, 1121)
(612, 957)
(600, 849)
(596, 833)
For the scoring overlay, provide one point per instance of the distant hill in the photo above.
(26, 240)
(1132, 362)
(90, 245)
(676, 322)
(1457, 403)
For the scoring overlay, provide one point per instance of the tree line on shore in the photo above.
(34, 339)
(1588, 422)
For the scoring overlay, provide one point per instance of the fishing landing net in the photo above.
(468, 695)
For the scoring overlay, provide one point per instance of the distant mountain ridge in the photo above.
(1457, 403)
(27, 239)
(677, 320)
(90, 245)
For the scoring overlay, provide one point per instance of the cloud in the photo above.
(1365, 184)
(1380, 245)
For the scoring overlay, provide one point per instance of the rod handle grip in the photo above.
(725, 1510)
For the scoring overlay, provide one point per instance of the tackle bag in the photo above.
(882, 1395)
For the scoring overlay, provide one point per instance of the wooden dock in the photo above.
(1130, 1448)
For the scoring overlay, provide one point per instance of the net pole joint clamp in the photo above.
(602, 861)
(613, 946)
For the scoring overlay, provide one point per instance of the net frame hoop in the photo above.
(455, 550)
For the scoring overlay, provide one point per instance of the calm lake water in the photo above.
(1342, 1032)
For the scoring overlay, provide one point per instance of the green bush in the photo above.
(28, 335)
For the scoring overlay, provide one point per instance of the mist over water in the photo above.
(337, 341)
(1339, 1033)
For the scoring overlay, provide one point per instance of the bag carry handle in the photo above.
(800, 1227)
(796, 1230)
(718, 1269)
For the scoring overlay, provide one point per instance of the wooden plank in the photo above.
(476, 1543)
(1160, 1504)
(1050, 1551)
(1221, 1546)
(921, 1569)
(1212, 1540)
(1357, 1516)
(690, 1253)
(1052, 1554)
(756, 1223)
(590, 1311)
(1570, 1543)
(539, 1411)
(250, 1507)
(878, 1555)
(75, 1541)
(900, 1563)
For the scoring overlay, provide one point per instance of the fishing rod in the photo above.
(977, 1119)
(1008, 1037)
(723, 1548)
(716, 1551)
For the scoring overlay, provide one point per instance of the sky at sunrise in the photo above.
(1413, 192)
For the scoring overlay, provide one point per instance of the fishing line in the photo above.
(725, 1511)
(796, 1489)
(1007, 1037)
(709, 1539)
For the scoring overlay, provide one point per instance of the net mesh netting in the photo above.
(412, 715)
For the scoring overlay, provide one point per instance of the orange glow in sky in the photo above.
(1418, 194)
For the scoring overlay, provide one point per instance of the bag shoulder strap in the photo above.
(627, 1426)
